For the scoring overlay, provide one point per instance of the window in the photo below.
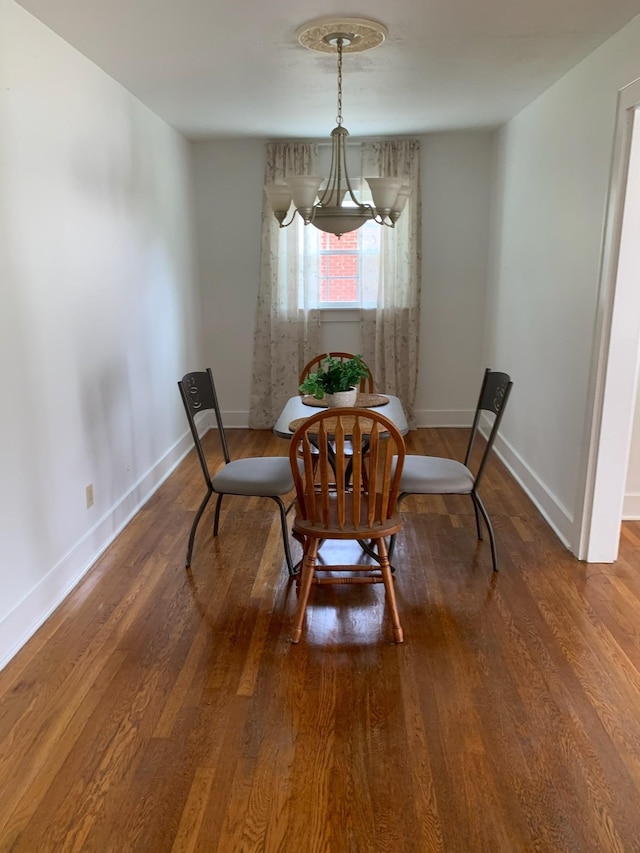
(348, 267)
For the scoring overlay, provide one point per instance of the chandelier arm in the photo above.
(363, 205)
(330, 192)
(284, 224)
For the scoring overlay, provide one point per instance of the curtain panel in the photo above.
(287, 331)
(390, 331)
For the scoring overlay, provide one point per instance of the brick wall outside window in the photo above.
(339, 264)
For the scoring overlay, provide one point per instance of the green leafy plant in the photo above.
(334, 375)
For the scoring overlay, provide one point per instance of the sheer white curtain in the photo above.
(287, 332)
(390, 331)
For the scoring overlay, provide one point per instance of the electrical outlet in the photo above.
(89, 492)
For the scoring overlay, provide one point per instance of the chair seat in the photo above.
(435, 475)
(332, 530)
(257, 476)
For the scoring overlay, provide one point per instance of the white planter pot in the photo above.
(341, 399)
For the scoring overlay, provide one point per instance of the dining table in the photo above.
(300, 407)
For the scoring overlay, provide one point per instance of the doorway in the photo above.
(617, 349)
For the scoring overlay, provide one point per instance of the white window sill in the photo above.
(339, 315)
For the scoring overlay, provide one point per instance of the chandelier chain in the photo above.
(339, 46)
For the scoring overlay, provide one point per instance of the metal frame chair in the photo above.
(436, 475)
(254, 476)
(346, 488)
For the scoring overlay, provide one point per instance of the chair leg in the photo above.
(392, 545)
(385, 568)
(477, 514)
(392, 538)
(192, 534)
(492, 538)
(285, 535)
(216, 518)
(308, 571)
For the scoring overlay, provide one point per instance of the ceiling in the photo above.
(235, 69)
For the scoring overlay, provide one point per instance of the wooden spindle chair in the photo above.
(346, 489)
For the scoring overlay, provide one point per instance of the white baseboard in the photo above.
(235, 420)
(444, 417)
(553, 511)
(631, 507)
(24, 620)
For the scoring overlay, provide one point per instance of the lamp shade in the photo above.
(304, 189)
(384, 192)
(279, 196)
(401, 200)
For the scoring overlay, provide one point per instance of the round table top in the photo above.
(294, 409)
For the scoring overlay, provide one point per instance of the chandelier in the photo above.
(334, 206)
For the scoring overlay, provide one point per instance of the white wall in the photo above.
(228, 180)
(552, 174)
(456, 196)
(456, 174)
(98, 313)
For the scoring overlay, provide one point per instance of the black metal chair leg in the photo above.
(474, 499)
(192, 535)
(368, 548)
(492, 538)
(392, 539)
(216, 518)
(285, 536)
(391, 547)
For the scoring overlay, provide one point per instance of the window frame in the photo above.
(361, 252)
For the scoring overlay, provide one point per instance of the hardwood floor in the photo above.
(165, 710)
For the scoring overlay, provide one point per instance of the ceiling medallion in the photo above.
(359, 34)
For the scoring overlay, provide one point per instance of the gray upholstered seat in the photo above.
(261, 476)
(435, 475)
(253, 476)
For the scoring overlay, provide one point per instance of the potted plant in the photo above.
(336, 381)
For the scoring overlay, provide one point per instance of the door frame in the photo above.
(616, 352)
